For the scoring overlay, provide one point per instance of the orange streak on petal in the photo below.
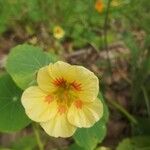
(62, 109)
(48, 99)
(59, 81)
(76, 86)
(78, 104)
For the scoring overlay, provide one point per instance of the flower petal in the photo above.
(37, 105)
(83, 81)
(89, 83)
(59, 126)
(83, 114)
(59, 70)
(44, 80)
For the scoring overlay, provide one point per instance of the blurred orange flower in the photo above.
(99, 6)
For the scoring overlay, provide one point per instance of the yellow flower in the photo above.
(99, 6)
(115, 3)
(58, 32)
(65, 98)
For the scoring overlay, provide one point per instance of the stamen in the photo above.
(78, 104)
(59, 82)
(58, 31)
(76, 86)
(66, 92)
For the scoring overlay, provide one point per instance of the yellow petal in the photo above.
(59, 126)
(85, 114)
(44, 80)
(37, 105)
(59, 69)
(89, 83)
(84, 82)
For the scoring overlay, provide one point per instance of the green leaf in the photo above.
(90, 137)
(23, 63)
(142, 127)
(5, 148)
(75, 147)
(125, 145)
(12, 114)
(133, 47)
(25, 143)
(106, 111)
(135, 143)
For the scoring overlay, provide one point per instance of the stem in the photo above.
(37, 136)
(123, 111)
(146, 100)
(105, 28)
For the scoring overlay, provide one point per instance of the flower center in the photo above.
(66, 92)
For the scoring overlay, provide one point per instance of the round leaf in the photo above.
(12, 114)
(75, 147)
(23, 63)
(90, 137)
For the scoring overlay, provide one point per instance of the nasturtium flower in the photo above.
(58, 32)
(64, 99)
(99, 6)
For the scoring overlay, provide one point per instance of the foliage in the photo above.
(25, 143)
(82, 23)
(133, 14)
(135, 143)
(12, 115)
(23, 63)
(139, 72)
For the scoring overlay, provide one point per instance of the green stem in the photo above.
(105, 28)
(146, 100)
(123, 111)
(37, 136)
